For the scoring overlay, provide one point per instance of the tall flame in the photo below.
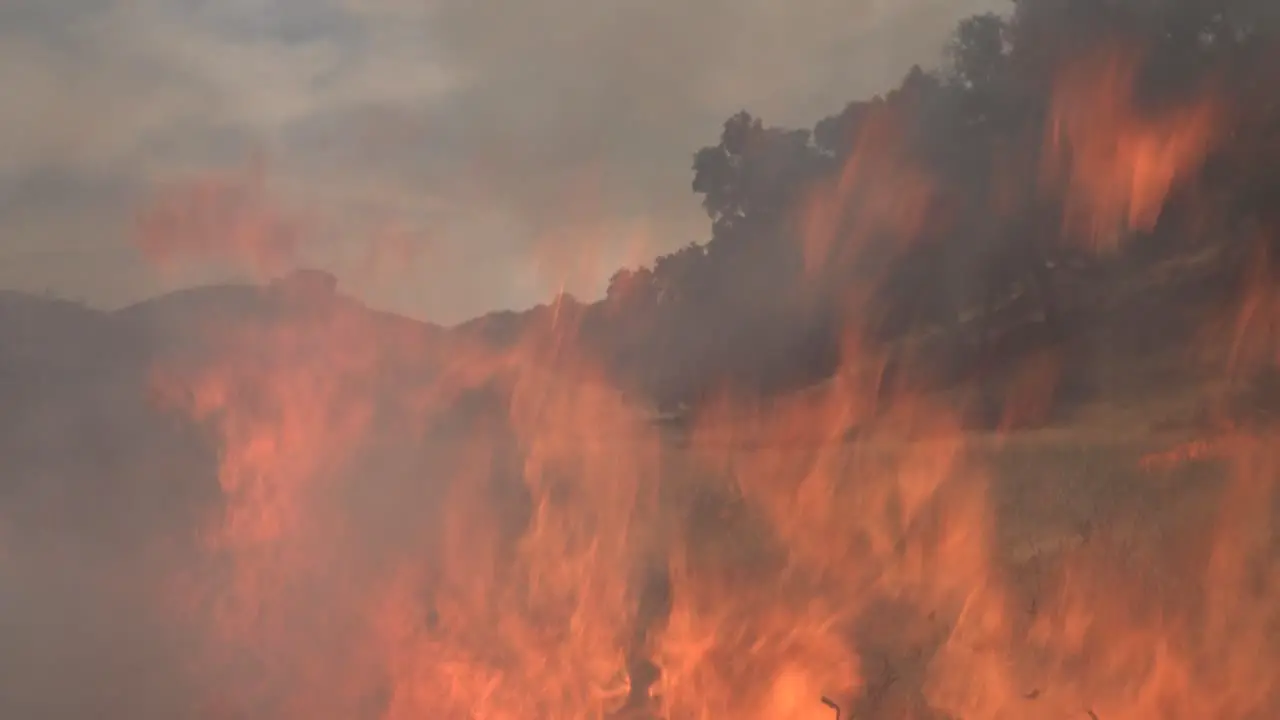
(415, 527)
(1118, 164)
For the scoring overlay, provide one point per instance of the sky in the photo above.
(444, 158)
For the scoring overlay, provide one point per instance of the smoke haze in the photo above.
(465, 131)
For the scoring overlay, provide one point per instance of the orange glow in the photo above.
(1115, 164)
(809, 548)
(1032, 389)
(224, 218)
(290, 399)
(878, 195)
(535, 625)
(418, 526)
(1254, 342)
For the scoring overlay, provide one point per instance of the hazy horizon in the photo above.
(442, 159)
(965, 406)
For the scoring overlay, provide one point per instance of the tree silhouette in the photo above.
(985, 237)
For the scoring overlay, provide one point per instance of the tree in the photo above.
(978, 53)
(753, 174)
(988, 224)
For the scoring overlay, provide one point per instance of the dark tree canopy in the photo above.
(961, 152)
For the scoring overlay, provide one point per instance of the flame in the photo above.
(878, 194)
(290, 399)
(1115, 164)
(553, 553)
(537, 627)
(843, 536)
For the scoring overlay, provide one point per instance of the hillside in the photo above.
(963, 409)
(108, 485)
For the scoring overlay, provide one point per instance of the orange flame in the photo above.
(879, 194)
(553, 553)
(1116, 165)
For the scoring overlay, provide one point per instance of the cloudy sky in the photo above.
(443, 157)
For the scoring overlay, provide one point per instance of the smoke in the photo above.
(271, 502)
(473, 128)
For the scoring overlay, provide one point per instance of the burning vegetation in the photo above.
(915, 435)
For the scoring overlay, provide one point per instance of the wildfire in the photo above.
(879, 194)
(414, 527)
(1118, 164)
